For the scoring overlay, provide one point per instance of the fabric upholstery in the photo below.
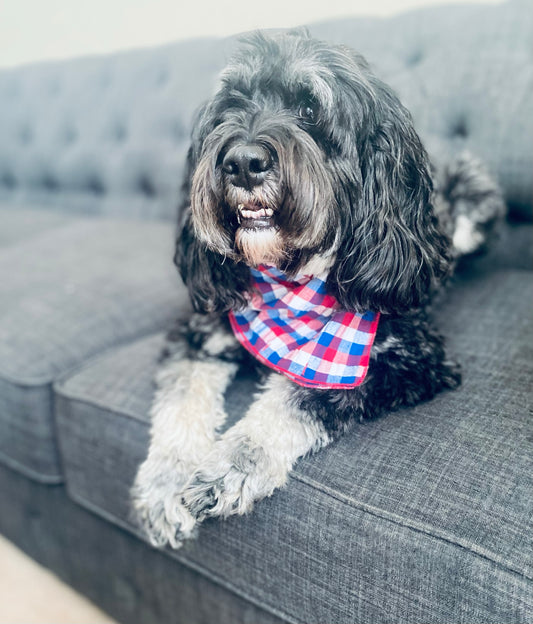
(374, 527)
(65, 295)
(423, 516)
(109, 134)
(24, 223)
(131, 581)
(457, 71)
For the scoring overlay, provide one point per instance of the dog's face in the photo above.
(264, 188)
(304, 159)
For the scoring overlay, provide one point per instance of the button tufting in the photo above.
(49, 182)
(414, 58)
(8, 180)
(145, 186)
(95, 185)
(459, 128)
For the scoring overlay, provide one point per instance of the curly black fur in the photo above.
(349, 183)
(304, 160)
(411, 369)
(354, 181)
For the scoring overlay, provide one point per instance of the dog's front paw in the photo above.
(235, 475)
(157, 498)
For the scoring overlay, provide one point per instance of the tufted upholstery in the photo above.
(103, 135)
(466, 85)
(109, 134)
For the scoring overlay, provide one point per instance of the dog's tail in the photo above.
(469, 204)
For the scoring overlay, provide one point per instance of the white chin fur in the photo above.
(260, 245)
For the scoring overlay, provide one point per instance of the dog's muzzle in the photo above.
(246, 166)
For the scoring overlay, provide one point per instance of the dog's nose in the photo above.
(247, 165)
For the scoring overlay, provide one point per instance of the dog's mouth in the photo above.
(258, 238)
(253, 217)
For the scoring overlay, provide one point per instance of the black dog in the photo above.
(313, 237)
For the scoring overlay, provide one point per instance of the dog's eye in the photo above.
(308, 112)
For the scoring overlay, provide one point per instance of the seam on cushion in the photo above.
(93, 508)
(26, 382)
(16, 466)
(60, 386)
(100, 405)
(180, 559)
(419, 527)
(130, 528)
(374, 511)
(63, 375)
(76, 202)
(33, 474)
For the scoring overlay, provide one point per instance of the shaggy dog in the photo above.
(311, 244)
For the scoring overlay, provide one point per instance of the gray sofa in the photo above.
(421, 517)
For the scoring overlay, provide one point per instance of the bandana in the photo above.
(298, 329)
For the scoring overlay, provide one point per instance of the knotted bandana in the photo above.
(295, 327)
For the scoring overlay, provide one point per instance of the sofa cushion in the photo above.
(122, 575)
(420, 516)
(66, 295)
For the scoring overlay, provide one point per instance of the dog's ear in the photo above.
(392, 251)
(216, 284)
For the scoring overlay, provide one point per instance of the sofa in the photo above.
(420, 517)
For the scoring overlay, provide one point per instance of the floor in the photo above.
(30, 594)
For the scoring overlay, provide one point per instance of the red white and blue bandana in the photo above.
(298, 329)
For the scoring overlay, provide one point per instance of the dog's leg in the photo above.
(187, 410)
(255, 456)
(286, 421)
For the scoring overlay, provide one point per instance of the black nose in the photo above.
(247, 165)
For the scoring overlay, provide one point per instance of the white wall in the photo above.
(33, 30)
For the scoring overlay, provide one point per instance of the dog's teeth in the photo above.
(246, 213)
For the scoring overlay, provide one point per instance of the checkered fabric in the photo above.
(298, 329)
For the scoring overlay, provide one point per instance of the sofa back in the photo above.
(109, 134)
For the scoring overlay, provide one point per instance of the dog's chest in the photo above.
(296, 328)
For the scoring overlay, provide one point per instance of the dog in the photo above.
(312, 242)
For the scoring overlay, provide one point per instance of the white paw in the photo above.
(231, 479)
(157, 497)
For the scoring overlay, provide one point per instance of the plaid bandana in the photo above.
(297, 329)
